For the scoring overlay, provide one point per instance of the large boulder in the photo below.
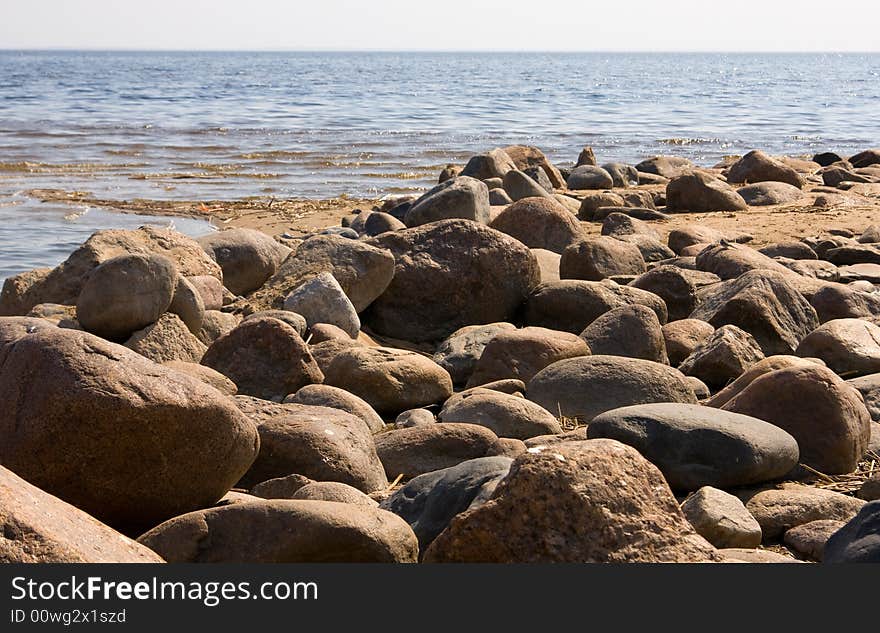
(699, 192)
(592, 501)
(683, 337)
(519, 185)
(285, 531)
(207, 375)
(692, 234)
(632, 331)
(492, 164)
(248, 257)
(765, 366)
(571, 305)
(526, 157)
(767, 193)
(430, 501)
(459, 353)
(539, 223)
(778, 510)
(597, 258)
(322, 300)
(589, 177)
(127, 440)
(756, 166)
(363, 271)
(505, 415)
(450, 274)
(678, 287)
(585, 387)
(723, 357)
(265, 357)
(417, 450)
(125, 294)
(869, 387)
(695, 446)
(320, 443)
(390, 380)
(462, 197)
(167, 339)
(666, 166)
(721, 518)
(40, 528)
(64, 283)
(765, 305)
(522, 353)
(336, 398)
(825, 415)
(729, 261)
(847, 346)
(859, 540)
(187, 302)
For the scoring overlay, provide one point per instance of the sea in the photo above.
(199, 126)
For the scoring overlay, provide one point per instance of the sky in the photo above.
(409, 25)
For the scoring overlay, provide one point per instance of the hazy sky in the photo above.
(579, 25)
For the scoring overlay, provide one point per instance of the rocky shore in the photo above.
(660, 362)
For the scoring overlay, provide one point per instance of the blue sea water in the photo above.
(214, 126)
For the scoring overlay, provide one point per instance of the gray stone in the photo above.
(322, 300)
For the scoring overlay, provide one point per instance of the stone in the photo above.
(265, 358)
(417, 450)
(765, 366)
(379, 223)
(64, 283)
(859, 540)
(526, 157)
(505, 415)
(683, 337)
(696, 446)
(768, 193)
(584, 387)
(499, 198)
(809, 539)
(519, 185)
(597, 258)
(779, 510)
(826, 158)
(167, 339)
(280, 487)
(870, 489)
(336, 398)
(127, 440)
(869, 387)
(414, 417)
(294, 320)
(334, 491)
(571, 305)
(207, 375)
(836, 301)
(462, 197)
(866, 158)
(210, 290)
(833, 176)
(823, 413)
(430, 501)
(362, 270)
(591, 501)
(847, 346)
(666, 166)
(855, 254)
(285, 531)
(548, 263)
(539, 176)
(539, 223)
(729, 261)
(389, 380)
(758, 556)
(216, 324)
(723, 357)
(450, 274)
(125, 294)
(622, 175)
(188, 305)
(248, 257)
(322, 300)
(680, 288)
(633, 331)
(492, 164)
(721, 519)
(589, 177)
(320, 443)
(520, 354)
(591, 202)
(40, 528)
(815, 268)
(619, 225)
(764, 304)
(459, 353)
(698, 193)
(756, 166)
